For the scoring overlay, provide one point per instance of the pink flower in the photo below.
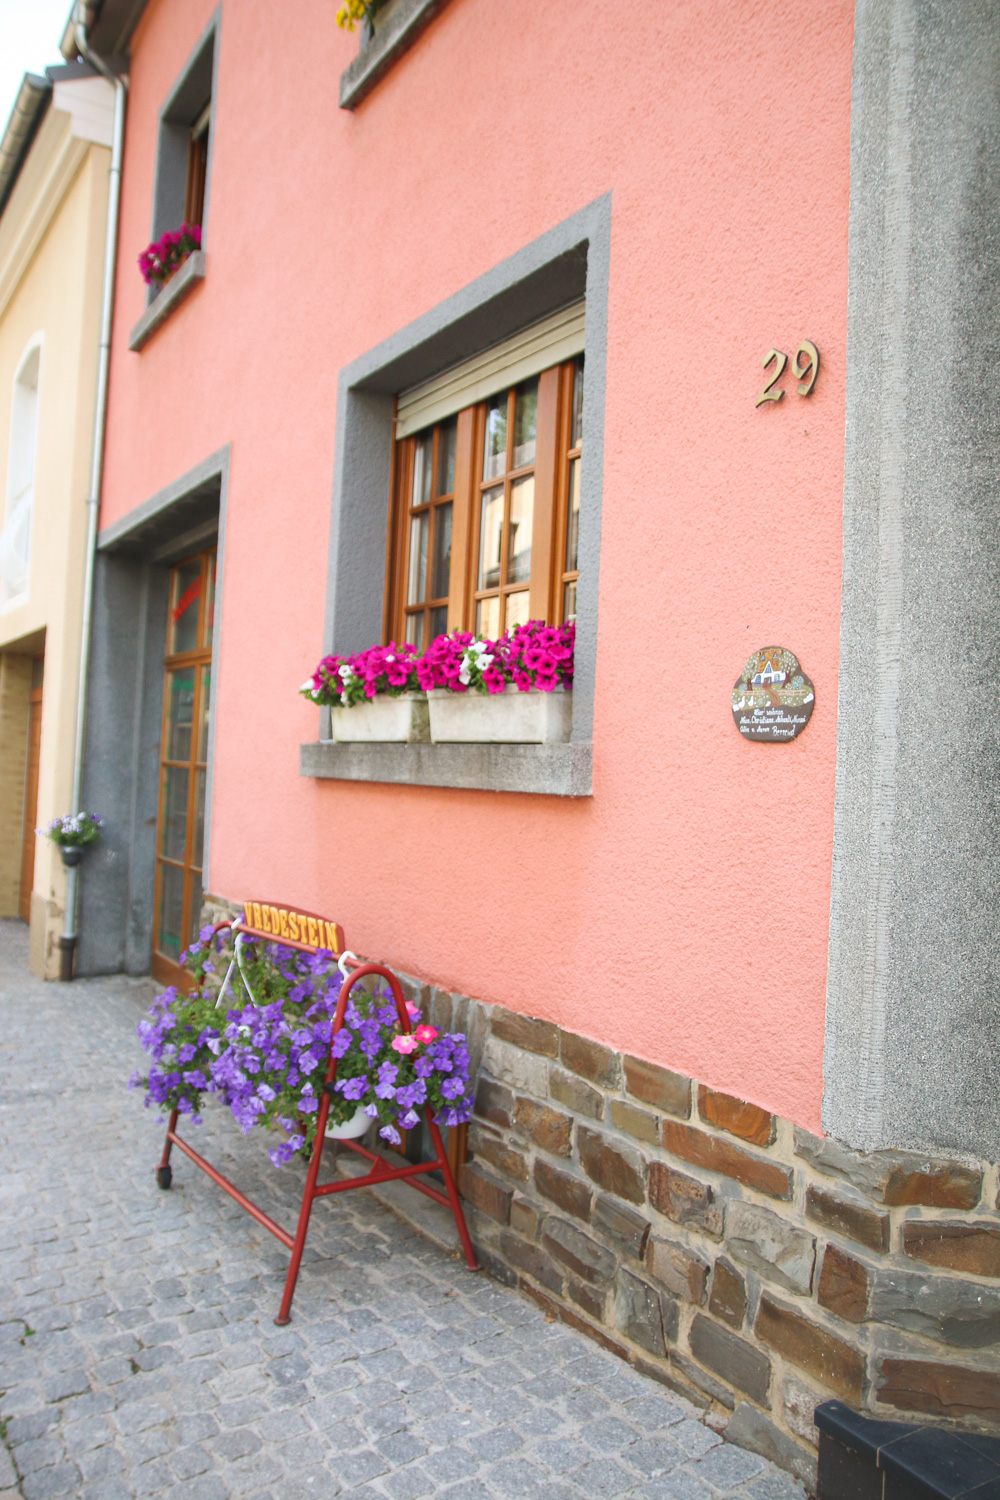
(424, 1034)
(412, 1010)
(407, 1044)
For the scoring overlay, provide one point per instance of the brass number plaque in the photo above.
(805, 367)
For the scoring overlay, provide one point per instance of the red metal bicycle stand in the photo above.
(381, 1172)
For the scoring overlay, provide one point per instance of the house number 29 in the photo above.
(805, 368)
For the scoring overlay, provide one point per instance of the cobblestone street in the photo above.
(138, 1356)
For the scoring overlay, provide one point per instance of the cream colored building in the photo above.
(54, 159)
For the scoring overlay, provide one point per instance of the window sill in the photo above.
(163, 304)
(394, 37)
(545, 770)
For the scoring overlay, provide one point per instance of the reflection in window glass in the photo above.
(206, 689)
(573, 518)
(184, 607)
(196, 897)
(422, 469)
(171, 913)
(495, 446)
(522, 503)
(439, 621)
(180, 710)
(447, 434)
(441, 567)
(488, 617)
(525, 423)
(173, 824)
(576, 437)
(517, 610)
(209, 604)
(490, 537)
(419, 525)
(569, 603)
(198, 831)
(415, 631)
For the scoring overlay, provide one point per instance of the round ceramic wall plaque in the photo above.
(773, 698)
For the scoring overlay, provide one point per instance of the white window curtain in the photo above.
(15, 538)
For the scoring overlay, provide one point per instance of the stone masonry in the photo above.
(745, 1263)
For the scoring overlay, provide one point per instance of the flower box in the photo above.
(403, 719)
(510, 717)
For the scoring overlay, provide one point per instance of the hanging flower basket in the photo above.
(262, 1047)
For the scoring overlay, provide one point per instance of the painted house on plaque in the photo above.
(768, 674)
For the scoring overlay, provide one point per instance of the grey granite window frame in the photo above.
(179, 111)
(382, 50)
(569, 261)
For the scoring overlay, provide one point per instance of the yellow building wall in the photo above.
(51, 259)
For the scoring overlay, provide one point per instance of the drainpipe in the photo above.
(67, 942)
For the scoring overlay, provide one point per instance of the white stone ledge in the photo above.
(163, 304)
(546, 770)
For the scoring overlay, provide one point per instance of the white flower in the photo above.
(485, 661)
(464, 675)
(345, 672)
(388, 657)
(343, 699)
(306, 686)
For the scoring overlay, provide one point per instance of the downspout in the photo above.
(67, 942)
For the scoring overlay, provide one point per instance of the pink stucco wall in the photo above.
(682, 912)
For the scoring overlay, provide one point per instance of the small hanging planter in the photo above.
(511, 717)
(403, 719)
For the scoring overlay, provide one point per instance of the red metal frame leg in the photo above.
(453, 1199)
(171, 1126)
(308, 1195)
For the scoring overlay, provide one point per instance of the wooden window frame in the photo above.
(163, 968)
(197, 168)
(551, 501)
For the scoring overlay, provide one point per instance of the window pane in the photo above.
(577, 431)
(422, 469)
(488, 617)
(569, 603)
(209, 604)
(522, 504)
(517, 610)
(173, 824)
(446, 457)
(184, 595)
(439, 621)
(525, 423)
(419, 527)
(206, 694)
(495, 446)
(415, 631)
(170, 914)
(441, 567)
(573, 517)
(180, 713)
(198, 831)
(194, 908)
(490, 537)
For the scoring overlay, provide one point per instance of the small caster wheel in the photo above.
(164, 1177)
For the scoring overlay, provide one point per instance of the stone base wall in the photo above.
(745, 1263)
(741, 1261)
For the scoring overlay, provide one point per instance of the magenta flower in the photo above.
(425, 1034)
(405, 1044)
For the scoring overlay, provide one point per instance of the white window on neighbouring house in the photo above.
(15, 538)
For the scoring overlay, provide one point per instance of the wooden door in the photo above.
(31, 792)
(183, 767)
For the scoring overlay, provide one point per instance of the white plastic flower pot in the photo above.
(510, 717)
(352, 1128)
(403, 720)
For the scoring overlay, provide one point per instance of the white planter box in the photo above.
(383, 718)
(351, 1129)
(507, 718)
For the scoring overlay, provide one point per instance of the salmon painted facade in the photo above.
(631, 320)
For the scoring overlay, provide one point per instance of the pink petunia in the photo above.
(424, 1034)
(407, 1044)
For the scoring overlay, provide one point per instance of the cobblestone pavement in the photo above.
(138, 1356)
